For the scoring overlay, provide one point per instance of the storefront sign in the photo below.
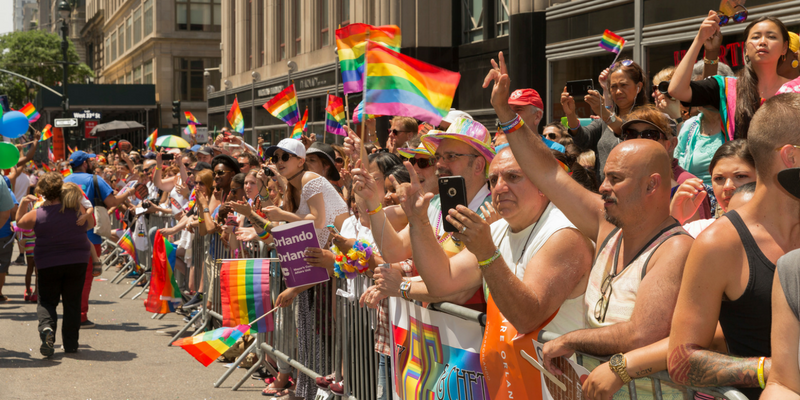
(325, 79)
(731, 54)
(87, 128)
(87, 114)
(270, 91)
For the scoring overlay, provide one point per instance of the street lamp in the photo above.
(292, 66)
(64, 10)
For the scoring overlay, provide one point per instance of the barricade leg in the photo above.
(185, 328)
(122, 272)
(236, 364)
(144, 289)
(133, 285)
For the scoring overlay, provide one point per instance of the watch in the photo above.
(405, 287)
(612, 118)
(619, 365)
(205, 210)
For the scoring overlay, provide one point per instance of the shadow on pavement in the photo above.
(18, 359)
(130, 327)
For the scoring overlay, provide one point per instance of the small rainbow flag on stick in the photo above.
(164, 293)
(334, 116)
(244, 286)
(30, 111)
(66, 172)
(45, 167)
(126, 244)
(235, 117)
(397, 84)
(210, 345)
(190, 118)
(47, 133)
(351, 43)
(112, 144)
(613, 43)
(300, 126)
(151, 140)
(190, 130)
(284, 106)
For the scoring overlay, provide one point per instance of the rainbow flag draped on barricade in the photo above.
(244, 286)
(334, 116)
(235, 117)
(210, 345)
(300, 126)
(164, 293)
(126, 244)
(284, 106)
(351, 43)
(397, 84)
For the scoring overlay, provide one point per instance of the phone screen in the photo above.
(579, 89)
(452, 192)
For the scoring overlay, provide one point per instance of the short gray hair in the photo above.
(722, 69)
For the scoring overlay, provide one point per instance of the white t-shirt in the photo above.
(22, 186)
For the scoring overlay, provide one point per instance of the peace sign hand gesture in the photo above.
(502, 82)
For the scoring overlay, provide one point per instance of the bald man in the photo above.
(634, 282)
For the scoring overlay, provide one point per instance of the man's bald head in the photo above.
(644, 158)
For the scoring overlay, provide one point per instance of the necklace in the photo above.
(530, 235)
(295, 175)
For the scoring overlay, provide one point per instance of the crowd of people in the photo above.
(651, 235)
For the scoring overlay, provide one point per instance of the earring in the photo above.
(795, 64)
(746, 58)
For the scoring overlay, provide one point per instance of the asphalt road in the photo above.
(124, 357)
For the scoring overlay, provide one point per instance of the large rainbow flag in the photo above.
(150, 143)
(126, 243)
(47, 133)
(351, 42)
(400, 85)
(334, 116)
(244, 286)
(235, 117)
(190, 118)
(300, 126)
(30, 111)
(164, 293)
(359, 116)
(284, 106)
(210, 345)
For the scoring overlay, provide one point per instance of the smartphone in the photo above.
(167, 157)
(579, 89)
(333, 229)
(453, 192)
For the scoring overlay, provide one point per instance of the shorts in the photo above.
(29, 242)
(6, 251)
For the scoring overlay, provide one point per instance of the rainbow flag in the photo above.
(261, 152)
(351, 42)
(244, 286)
(334, 116)
(235, 117)
(190, 118)
(112, 144)
(300, 126)
(150, 143)
(284, 106)
(192, 200)
(190, 130)
(210, 345)
(66, 172)
(45, 167)
(400, 85)
(71, 150)
(164, 293)
(47, 133)
(30, 111)
(126, 243)
(612, 42)
(359, 116)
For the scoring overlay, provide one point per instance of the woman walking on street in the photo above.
(61, 256)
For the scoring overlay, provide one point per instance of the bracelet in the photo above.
(711, 62)
(512, 125)
(200, 220)
(264, 235)
(375, 211)
(761, 372)
(405, 287)
(509, 121)
(573, 129)
(485, 263)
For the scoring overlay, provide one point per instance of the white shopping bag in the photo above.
(140, 234)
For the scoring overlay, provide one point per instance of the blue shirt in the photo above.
(555, 146)
(86, 182)
(6, 204)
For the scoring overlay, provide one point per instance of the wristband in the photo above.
(375, 211)
(711, 62)
(264, 235)
(512, 125)
(405, 287)
(761, 372)
(485, 263)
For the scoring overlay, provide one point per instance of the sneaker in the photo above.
(337, 388)
(48, 339)
(195, 301)
(34, 298)
(75, 350)
(190, 316)
(20, 259)
(87, 324)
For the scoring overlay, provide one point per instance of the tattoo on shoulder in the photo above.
(693, 365)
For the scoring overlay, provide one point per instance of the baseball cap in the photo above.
(292, 146)
(206, 150)
(201, 166)
(79, 157)
(643, 121)
(327, 151)
(454, 114)
(526, 97)
(195, 148)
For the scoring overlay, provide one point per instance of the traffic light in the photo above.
(176, 110)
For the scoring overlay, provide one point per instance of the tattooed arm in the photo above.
(690, 364)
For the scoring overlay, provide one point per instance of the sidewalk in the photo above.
(124, 357)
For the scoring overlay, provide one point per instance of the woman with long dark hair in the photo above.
(737, 99)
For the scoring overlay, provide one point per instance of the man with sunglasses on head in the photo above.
(635, 279)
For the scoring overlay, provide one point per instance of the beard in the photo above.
(441, 171)
(610, 218)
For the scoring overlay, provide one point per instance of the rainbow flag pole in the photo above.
(613, 43)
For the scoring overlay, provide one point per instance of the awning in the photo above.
(116, 127)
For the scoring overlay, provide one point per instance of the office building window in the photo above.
(148, 17)
(473, 20)
(189, 79)
(344, 12)
(121, 36)
(137, 25)
(260, 32)
(297, 28)
(232, 48)
(108, 49)
(128, 33)
(198, 15)
(114, 46)
(148, 72)
(324, 24)
(280, 25)
(137, 75)
(501, 14)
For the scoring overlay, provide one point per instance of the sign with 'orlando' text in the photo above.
(291, 242)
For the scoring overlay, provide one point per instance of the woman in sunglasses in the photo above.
(625, 84)
(766, 47)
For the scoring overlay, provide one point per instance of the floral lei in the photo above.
(354, 262)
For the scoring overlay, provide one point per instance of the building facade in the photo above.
(268, 44)
(657, 35)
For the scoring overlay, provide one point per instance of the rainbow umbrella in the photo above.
(173, 142)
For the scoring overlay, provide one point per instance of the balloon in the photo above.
(15, 124)
(9, 155)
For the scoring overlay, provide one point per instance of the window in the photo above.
(344, 13)
(198, 15)
(137, 25)
(121, 36)
(297, 28)
(114, 46)
(128, 33)
(280, 16)
(129, 81)
(501, 15)
(137, 75)
(324, 32)
(260, 32)
(148, 72)
(148, 17)
(473, 20)
(189, 81)
(108, 50)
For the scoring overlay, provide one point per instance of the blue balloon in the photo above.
(15, 124)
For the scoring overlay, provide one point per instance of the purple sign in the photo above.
(291, 241)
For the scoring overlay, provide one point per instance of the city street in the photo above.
(124, 357)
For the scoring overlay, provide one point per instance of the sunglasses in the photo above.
(551, 136)
(220, 173)
(601, 307)
(395, 131)
(625, 63)
(662, 87)
(653, 134)
(737, 18)
(285, 157)
(186, 165)
(241, 165)
(450, 157)
(339, 160)
(422, 163)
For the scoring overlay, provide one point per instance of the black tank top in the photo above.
(747, 321)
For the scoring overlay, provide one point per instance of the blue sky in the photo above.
(6, 16)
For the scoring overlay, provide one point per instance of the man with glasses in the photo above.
(634, 282)
(247, 161)
(403, 128)
(424, 164)
(528, 105)
(554, 131)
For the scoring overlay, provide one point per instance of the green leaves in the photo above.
(37, 55)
